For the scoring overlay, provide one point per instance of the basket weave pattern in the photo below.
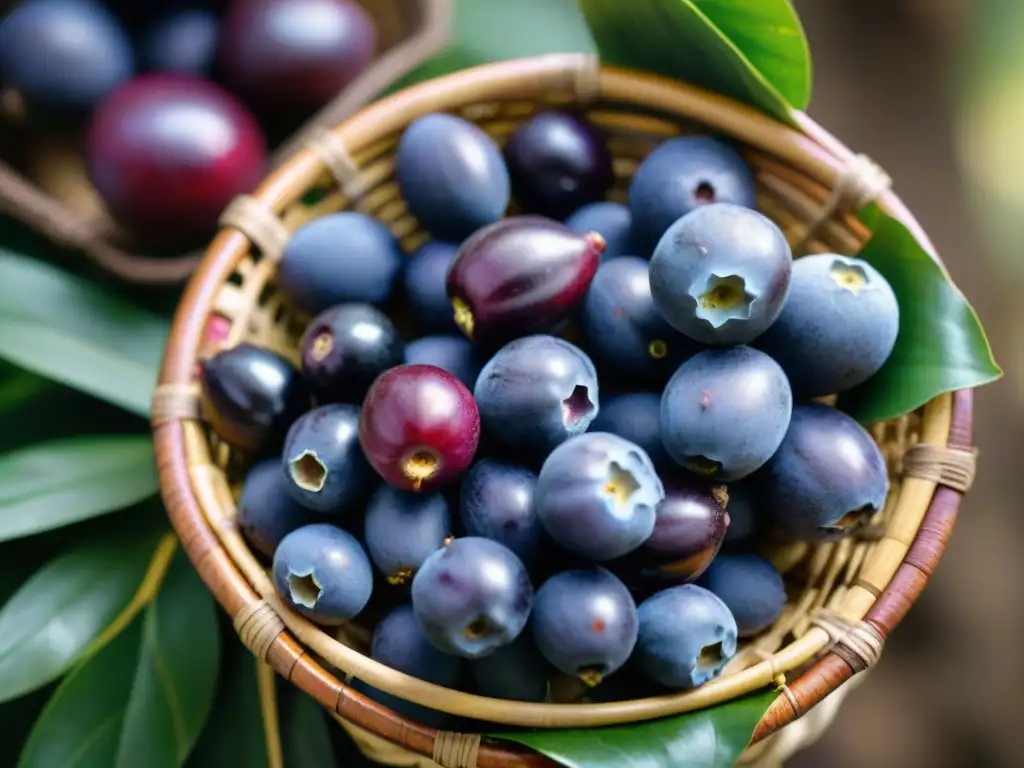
(845, 596)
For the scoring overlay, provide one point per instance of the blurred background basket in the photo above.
(845, 596)
(43, 183)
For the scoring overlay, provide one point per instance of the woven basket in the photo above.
(850, 593)
(65, 209)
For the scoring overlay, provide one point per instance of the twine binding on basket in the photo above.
(456, 750)
(330, 148)
(860, 182)
(258, 223)
(951, 467)
(174, 402)
(258, 626)
(859, 645)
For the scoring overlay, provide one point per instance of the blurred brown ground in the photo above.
(948, 691)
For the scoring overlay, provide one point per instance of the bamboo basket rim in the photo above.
(192, 486)
(97, 238)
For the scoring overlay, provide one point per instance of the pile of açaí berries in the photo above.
(521, 506)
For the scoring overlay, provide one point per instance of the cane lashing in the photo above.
(258, 626)
(951, 467)
(456, 750)
(332, 152)
(174, 402)
(859, 644)
(252, 218)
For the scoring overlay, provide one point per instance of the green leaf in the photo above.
(16, 720)
(65, 328)
(677, 39)
(235, 737)
(305, 729)
(708, 738)
(484, 31)
(941, 346)
(175, 681)
(65, 605)
(18, 387)
(56, 483)
(81, 723)
(770, 35)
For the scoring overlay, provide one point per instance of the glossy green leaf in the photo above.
(708, 738)
(65, 328)
(65, 605)
(17, 387)
(494, 30)
(677, 39)
(176, 677)
(770, 35)
(235, 735)
(16, 721)
(305, 734)
(59, 482)
(80, 727)
(941, 346)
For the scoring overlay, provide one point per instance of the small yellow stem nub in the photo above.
(418, 466)
(464, 317)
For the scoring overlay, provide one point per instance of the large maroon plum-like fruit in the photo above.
(520, 276)
(419, 427)
(167, 153)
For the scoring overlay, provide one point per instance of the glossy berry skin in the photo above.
(751, 589)
(537, 392)
(689, 528)
(323, 573)
(613, 222)
(686, 638)
(451, 176)
(636, 417)
(267, 512)
(827, 477)
(596, 496)
(515, 672)
(425, 291)
(293, 56)
(585, 623)
(746, 518)
(63, 56)
(683, 174)
(324, 463)
(403, 529)
(449, 353)
(838, 327)
(725, 412)
(558, 162)
(625, 333)
(721, 274)
(496, 502)
(251, 396)
(399, 643)
(419, 427)
(472, 597)
(341, 258)
(345, 348)
(184, 42)
(520, 276)
(167, 153)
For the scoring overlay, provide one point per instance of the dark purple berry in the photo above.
(267, 512)
(750, 587)
(520, 276)
(614, 223)
(345, 348)
(558, 162)
(585, 623)
(451, 176)
(419, 427)
(184, 42)
(472, 597)
(827, 478)
(497, 502)
(324, 463)
(403, 529)
(449, 353)
(636, 417)
(251, 396)
(516, 671)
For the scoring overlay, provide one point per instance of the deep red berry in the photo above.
(419, 427)
(520, 276)
(294, 55)
(167, 153)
